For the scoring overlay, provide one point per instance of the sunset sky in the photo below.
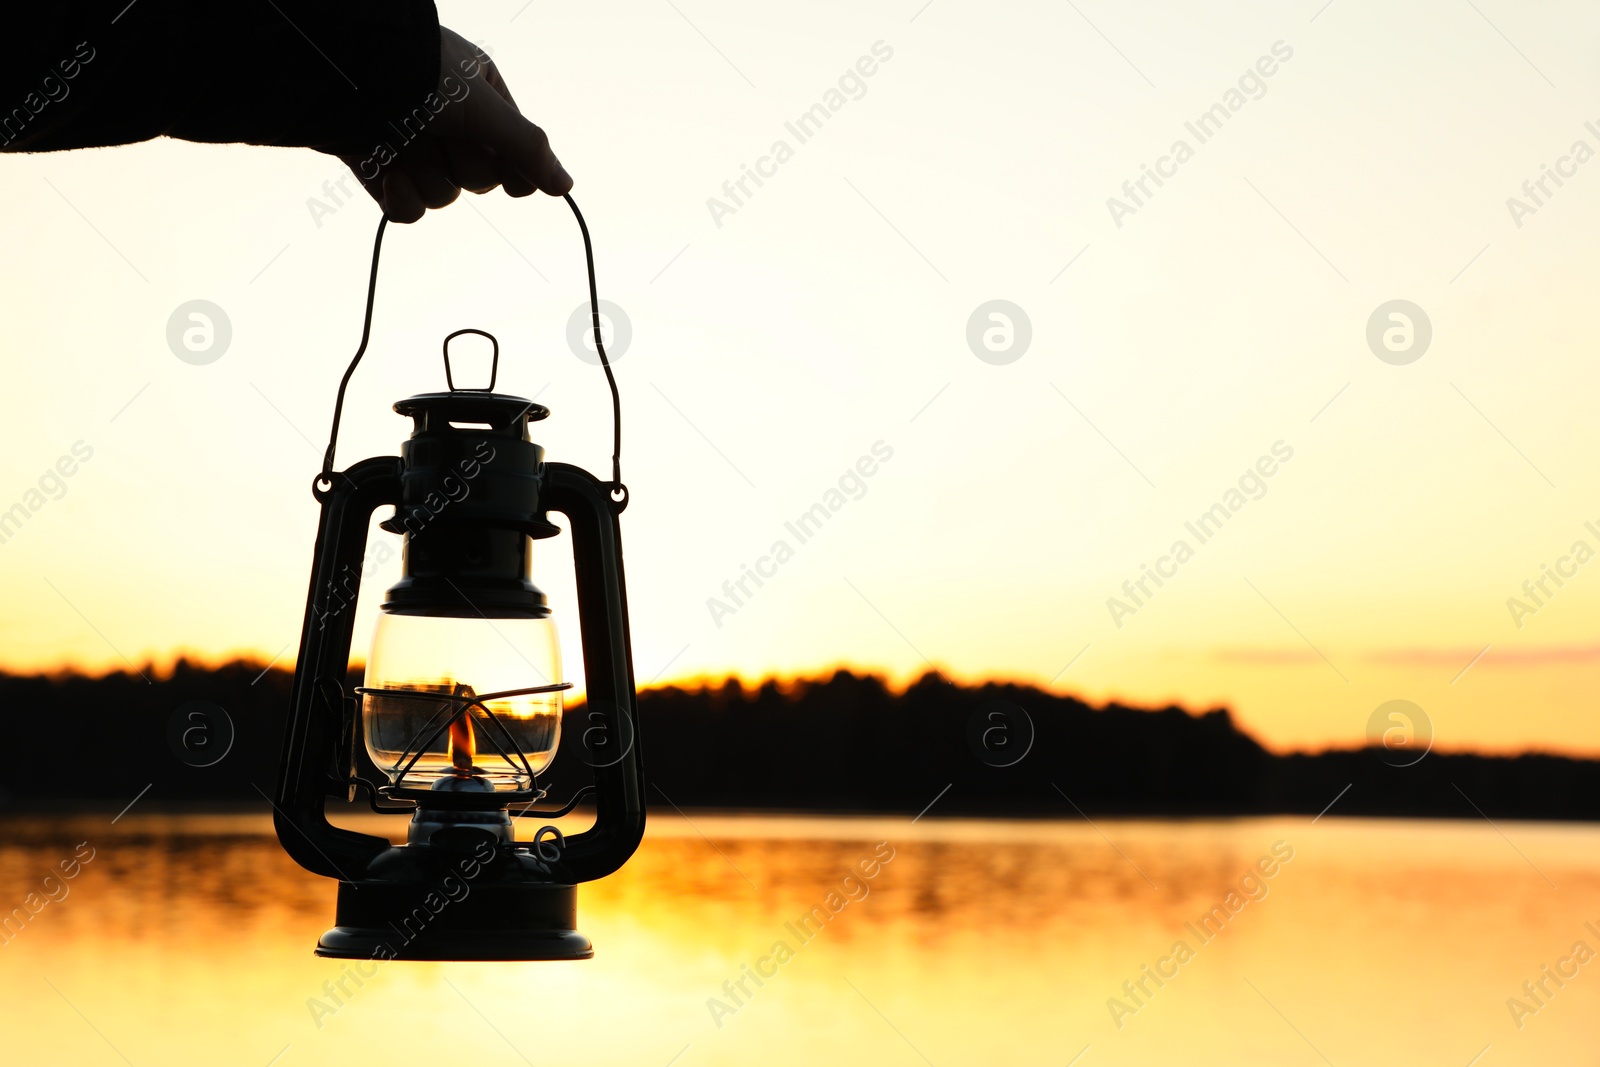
(825, 318)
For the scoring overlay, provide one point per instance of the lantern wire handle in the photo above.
(600, 348)
(619, 491)
(326, 479)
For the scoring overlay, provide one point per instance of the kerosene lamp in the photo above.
(460, 709)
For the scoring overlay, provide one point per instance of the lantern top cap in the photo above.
(497, 410)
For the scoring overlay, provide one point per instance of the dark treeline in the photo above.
(845, 743)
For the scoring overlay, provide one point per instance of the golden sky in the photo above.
(1178, 337)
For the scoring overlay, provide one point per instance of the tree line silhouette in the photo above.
(844, 743)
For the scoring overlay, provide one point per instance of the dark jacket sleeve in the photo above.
(326, 75)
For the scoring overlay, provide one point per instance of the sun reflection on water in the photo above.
(187, 940)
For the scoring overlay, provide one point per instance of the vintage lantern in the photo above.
(460, 710)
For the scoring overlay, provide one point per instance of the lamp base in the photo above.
(383, 920)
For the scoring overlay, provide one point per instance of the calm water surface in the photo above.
(187, 940)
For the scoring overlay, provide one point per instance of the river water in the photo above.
(186, 939)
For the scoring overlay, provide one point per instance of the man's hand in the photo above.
(477, 141)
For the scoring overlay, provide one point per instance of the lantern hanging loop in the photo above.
(618, 491)
(494, 365)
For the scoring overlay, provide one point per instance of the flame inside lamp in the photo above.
(415, 656)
